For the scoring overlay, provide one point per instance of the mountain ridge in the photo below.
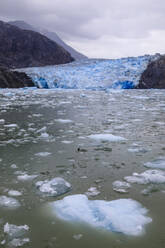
(25, 48)
(50, 35)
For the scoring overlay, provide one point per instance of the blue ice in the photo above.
(122, 216)
(93, 74)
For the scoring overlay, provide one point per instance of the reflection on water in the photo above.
(74, 135)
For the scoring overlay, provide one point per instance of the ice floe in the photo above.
(122, 216)
(14, 231)
(14, 193)
(15, 235)
(92, 191)
(146, 177)
(54, 187)
(106, 137)
(63, 121)
(42, 154)
(156, 164)
(121, 186)
(9, 202)
(26, 177)
(2, 121)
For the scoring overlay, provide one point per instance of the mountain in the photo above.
(24, 48)
(154, 75)
(14, 79)
(52, 36)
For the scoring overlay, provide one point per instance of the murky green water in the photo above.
(138, 116)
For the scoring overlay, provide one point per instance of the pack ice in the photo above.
(122, 216)
(95, 74)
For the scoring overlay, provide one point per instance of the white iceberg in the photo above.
(121, 186)
(122, 216)
(106, 137)
(14, 193)
(149, 176)
(156, 164)
(15, 235)
(42, 154)
(26, 177)
(9, 202)
(56, 186)
(14, 231)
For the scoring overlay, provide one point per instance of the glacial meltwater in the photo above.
(82, 168)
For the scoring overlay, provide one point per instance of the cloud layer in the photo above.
(106, 28)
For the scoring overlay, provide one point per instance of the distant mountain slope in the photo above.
(23, 25)
(52, 36)
(24, 48)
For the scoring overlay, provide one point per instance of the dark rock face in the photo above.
(14, 79)
(52, 36)
(154, 75)
(23, 48)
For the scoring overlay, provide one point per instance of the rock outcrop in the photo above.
(14, 79)
(154, 75)
(52, 36)
(23, 48)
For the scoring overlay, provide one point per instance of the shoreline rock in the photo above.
(154, 75)
(14, 79)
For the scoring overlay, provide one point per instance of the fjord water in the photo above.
(90, 139)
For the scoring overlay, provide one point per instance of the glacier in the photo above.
(92, 74)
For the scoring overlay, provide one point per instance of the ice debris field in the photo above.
(93, 74)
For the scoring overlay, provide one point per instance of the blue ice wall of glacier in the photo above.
(95, 74)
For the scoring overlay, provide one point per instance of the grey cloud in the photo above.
(81, 21)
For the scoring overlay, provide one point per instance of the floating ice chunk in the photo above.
(121, 186)
(149, 176)
(14, 166)
(18, 242)
(92, 191)
(44, 135)
(156, 164)
(123, 216)
(8, 202)
(67, 142)
(2, 121)
(63, 121)
(56, 186)
(15, 235)
(11, 125)
(14, 231)
(14, 193)
(150, 189)
(26, 177)
(77, 236)
(41, 130)
(42, 154)
(106, 137)
(138, 150)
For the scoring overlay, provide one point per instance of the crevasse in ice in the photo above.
(95, 74)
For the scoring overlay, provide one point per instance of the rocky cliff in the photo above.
(154, 75)
(52, 36)
(14, 79)
(24, 48)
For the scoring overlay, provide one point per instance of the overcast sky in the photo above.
(97, 28)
